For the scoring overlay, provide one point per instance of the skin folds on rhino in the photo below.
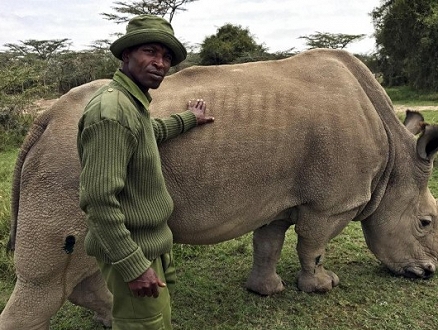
(310, 141)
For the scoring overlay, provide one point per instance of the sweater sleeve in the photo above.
(106, 148)
(167, 128)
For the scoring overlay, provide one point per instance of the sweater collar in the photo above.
(132, 88)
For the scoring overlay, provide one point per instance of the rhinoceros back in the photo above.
(281, 127)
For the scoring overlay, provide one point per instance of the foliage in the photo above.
(22, 75)
(76, 68)
(42, 49)
(18, 85)
(36, 69)
(331, 40)
(47, 69)
(371, 61)
(230, 43)
(13, 127)
(154, 7)
(406, 36)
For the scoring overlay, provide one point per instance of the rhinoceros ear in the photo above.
(414, 121)
(427, 143)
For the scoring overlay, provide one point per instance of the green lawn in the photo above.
(407, 96)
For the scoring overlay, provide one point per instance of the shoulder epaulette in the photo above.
(109, 103)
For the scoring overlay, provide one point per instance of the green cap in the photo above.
(144, 29)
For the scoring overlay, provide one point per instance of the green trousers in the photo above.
(141, 313)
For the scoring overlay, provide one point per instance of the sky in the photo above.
(277, 24)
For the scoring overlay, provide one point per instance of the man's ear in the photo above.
(125, 54)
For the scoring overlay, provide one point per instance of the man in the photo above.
(122, 189)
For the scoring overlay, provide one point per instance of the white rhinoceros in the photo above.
(310, 141)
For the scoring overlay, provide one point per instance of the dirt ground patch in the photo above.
(400, 108)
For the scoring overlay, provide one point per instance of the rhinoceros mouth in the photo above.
(419, 272)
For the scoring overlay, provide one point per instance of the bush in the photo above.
(13, 137)
(14, 122)
(230, 43)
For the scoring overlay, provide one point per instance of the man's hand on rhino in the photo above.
(198, 108)
(146, 285)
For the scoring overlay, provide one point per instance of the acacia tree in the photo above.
(39, 58)
(47, 68)
(406, 34)
(230, 43)
(42, 49)
(161, 8)
(331, 40)
(20, 84)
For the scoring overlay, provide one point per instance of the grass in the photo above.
(210, 293)
(7, 163)
(407, 96)
(367, 298)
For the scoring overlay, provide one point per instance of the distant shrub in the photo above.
(14, 123)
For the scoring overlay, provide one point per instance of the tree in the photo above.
(76, 68)
(154, 7)
(406, 34)
(19, 86)
(331, 40)
(38, 58)
(46, 68)
(42, 49)
(19, 76)
(230, 43)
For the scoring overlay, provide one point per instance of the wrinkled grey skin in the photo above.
(310, 141)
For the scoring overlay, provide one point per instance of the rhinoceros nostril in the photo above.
(428, 274)
(429, 270)
(424, 271)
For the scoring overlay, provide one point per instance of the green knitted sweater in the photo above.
(122, 188)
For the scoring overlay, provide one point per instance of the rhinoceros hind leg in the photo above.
(265, 287)
(267, 244)
(93, 294)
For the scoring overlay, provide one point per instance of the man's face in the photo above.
(147, 64)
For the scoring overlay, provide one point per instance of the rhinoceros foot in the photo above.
(103, 319)
(319, 281)
(264, 286)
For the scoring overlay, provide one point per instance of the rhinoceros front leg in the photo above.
(31, 306)
(313, 277)
(314, 232)
(267, 244)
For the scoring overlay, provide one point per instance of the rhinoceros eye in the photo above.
(425, 221)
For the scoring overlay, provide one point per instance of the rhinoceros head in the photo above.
(403, 230)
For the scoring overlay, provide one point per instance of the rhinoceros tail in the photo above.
(37, 129)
